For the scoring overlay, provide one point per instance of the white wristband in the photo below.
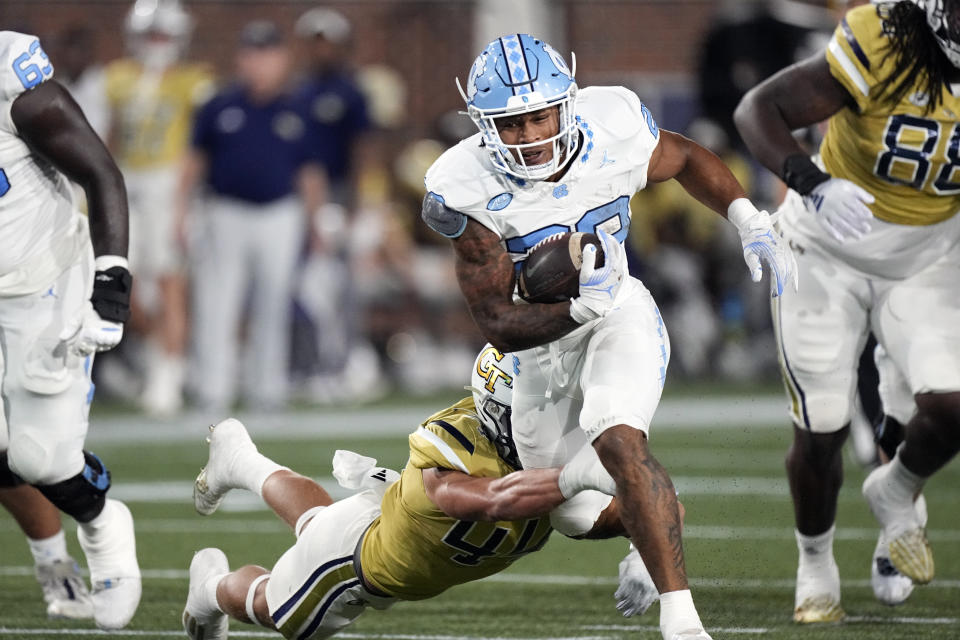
(580, 313)
(102, 263)
(740, 211)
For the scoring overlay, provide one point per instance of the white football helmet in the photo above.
(516, 74)
(943, 16)
(164, 17)
(492, 387)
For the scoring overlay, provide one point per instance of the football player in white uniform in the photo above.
(873, 220)
(551, 158)
(64, 295)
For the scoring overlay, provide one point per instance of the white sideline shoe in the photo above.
(909, 550)
(64, 590)
(818, 595)
(110, 546)
(199, 621)
(636, 591)
(227, 439)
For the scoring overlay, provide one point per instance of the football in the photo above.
(551, 272)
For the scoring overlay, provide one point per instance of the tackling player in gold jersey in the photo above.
(873, 224)
(460, 511)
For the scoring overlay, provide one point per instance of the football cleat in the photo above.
(889, 585)
(636, 591)
(199, 620)
(692, 634)
(909, 550)
(109, 544)
(818, 595)
(64, 590)
(228, 440)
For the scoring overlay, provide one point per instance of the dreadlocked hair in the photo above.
(918, 59)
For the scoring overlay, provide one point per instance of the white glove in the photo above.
(599, 287)
(841, 208)
(357, 473)
(88, 332)
(585, 471)
(761, 242)
(636, 591)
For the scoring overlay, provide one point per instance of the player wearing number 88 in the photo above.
(874, 223)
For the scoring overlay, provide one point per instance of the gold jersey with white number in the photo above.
(414, 550)
(152, 111)
(907, 157)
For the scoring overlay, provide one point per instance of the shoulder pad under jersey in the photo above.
(23, 64)
(441, 218)
(857, 53)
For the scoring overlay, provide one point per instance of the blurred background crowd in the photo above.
(274, 153)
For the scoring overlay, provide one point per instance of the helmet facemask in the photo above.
(518, 74)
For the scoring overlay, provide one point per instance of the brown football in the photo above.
(551, 272)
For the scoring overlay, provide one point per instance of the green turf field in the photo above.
(739, 544)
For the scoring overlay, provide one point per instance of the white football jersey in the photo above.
(41, 233)
(619, 137)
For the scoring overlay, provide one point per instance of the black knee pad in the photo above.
(82, 496)
(8, 479)
(889, 435)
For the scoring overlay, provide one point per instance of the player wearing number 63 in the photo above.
(873, 223)
(64, 295)
(552, 158)
(460, 510)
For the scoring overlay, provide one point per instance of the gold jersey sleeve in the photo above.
(906, 155)
(152, 113)
(414, 550)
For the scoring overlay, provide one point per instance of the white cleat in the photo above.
(64, 590)
(889, 585)
(110, 546)
(636, 591)
(227, 439)
(818, 595)
(909, 550)
(199, 621)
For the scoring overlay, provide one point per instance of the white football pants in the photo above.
(245, 253)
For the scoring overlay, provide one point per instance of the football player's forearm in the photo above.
(709, 180)
(524, 494)
(513, 327)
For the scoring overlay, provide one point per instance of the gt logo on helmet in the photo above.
(488, 370)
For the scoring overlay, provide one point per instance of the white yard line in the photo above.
(552, 579)
(716, 412)
(248, 526)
